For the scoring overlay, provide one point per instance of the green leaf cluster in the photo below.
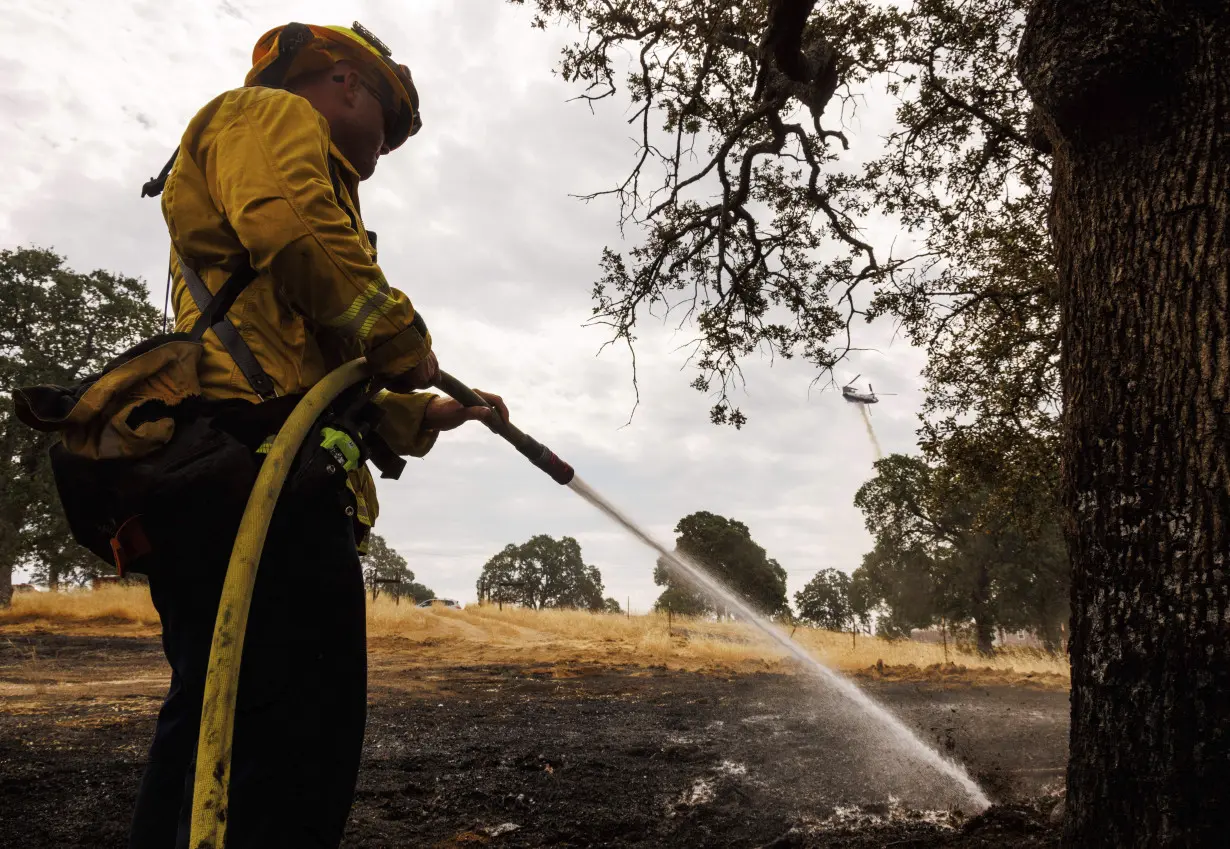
(725, 549)
(541, 573)
(56, 326)
(942, 555)
(380, 562)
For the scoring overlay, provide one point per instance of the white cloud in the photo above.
(477, 224)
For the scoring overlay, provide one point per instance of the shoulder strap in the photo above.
(154, 186)
(213, 315)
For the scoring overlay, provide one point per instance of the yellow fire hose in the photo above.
(210, 799)
(213, 756)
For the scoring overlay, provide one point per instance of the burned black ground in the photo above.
(560, 756)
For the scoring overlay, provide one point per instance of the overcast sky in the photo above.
(477, 226)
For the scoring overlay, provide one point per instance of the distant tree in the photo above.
(908, 585)
(725, 548)
(940, 553)
(542, 572)
(56, 326)
(416, 591)
(610, 605)
(825, 601)
(679, 599)
(55, 558)
(862, 601)
(382, 562)
(893, 627)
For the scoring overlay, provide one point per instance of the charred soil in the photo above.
(559, 755)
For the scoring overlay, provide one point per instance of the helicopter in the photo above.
(855, 397)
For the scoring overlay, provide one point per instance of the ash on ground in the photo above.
(560, 755)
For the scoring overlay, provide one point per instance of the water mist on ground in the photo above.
(871, 434)
(883, 724)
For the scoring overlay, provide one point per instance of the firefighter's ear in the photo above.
(350, 85)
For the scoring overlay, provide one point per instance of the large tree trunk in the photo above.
(9, 549)
(11, 519)
(984, 633)
(984, 618)
(6, 581)
(1134, 99)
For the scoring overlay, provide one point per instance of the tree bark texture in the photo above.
(984, 618)
(11, 520)
(1134, 98)
(784, 36)
(984, 637)
(6, 579)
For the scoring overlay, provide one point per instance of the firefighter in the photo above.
(265, 189)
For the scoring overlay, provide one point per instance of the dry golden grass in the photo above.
(114, 608)
(411, 636)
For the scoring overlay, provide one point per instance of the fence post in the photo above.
(629, 610)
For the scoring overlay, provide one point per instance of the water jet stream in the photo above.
(871, 434)
(900, 734)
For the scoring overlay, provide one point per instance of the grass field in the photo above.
(517, 635)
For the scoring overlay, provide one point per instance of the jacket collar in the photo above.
(347, 174)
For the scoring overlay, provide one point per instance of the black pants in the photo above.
(302, 684)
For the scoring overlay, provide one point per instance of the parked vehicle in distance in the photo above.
(441, 602)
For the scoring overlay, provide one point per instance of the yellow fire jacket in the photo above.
(258, 178)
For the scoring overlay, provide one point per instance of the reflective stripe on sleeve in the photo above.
(364, 311)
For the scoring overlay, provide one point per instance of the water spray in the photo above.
(901, 734)
(871, 434)
(562, 473)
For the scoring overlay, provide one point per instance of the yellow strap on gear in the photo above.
(342, 446)
(337, 442)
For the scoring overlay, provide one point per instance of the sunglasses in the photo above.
(389, 112)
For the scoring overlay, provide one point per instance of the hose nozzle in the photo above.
(533, 450)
